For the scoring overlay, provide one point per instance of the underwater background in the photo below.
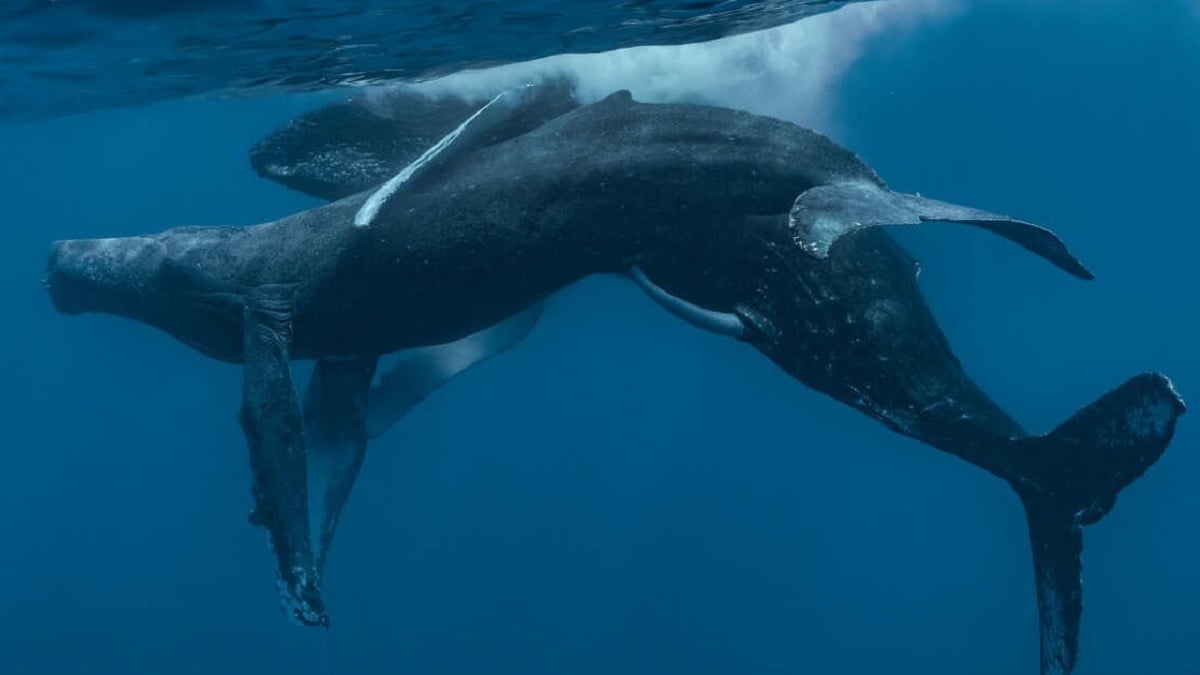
(622, 493)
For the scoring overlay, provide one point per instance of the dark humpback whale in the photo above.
(744, 225)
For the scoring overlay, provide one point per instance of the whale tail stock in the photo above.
(1070, 478)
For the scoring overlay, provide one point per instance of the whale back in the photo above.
(662, 167)
(352, 145)
(763, 148)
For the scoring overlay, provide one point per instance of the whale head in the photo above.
(109, 276)
(163, 280)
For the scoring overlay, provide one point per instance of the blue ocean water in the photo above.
(622, 493)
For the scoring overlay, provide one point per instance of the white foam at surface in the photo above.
(785, 72)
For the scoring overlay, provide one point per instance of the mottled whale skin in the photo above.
(745, 225)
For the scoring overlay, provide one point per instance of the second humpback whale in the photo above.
(744, 225)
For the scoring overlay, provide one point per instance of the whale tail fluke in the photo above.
(1070, 478)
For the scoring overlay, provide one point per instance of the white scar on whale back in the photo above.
(502, 103)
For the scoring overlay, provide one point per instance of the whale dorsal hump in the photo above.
(622, 96)
(823, 214)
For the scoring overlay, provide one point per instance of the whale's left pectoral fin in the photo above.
(823, 214)
(273, 423)
(721, 323)
(419, 372)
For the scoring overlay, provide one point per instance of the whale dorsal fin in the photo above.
(618, 97)
(822, 215)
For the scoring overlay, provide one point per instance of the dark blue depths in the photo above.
(624, 494)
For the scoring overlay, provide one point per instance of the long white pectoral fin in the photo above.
(462, 139)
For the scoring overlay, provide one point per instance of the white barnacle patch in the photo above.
(370, 209)
(816, 236)
(343, 164)
(1151, 419)
(107, 260)
(884, 315)
(296, 607)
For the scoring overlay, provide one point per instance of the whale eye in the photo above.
(187, 283)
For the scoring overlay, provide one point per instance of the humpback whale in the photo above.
(747, 226)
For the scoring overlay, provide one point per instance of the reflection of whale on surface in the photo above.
(63, 57)
(744, 225)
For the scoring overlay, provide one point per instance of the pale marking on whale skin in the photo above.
(370, 209)
(721, 323)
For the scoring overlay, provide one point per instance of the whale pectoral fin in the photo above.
(473, 133)
(722, 323)
(420, 371)
(335, 423)
(460, 139)
(822, 215)
(274, 427)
